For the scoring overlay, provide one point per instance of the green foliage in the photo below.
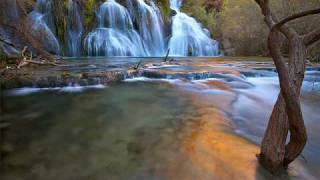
(240, 26)
(60, 18)
(164, 6)
(89, 13)
(198, 11)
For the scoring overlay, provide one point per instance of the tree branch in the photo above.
(296, 16)
(271, 20)
(312, 37)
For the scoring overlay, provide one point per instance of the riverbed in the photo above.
(194, 118)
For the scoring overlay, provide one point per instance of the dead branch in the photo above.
(137, 66)
(166, 58)
(25, 61)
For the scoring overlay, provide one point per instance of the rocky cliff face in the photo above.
(15, 28)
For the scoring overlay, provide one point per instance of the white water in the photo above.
(134, 29)
(115, 35)
(41, 30)
(150, 25)
(73, 35)
(189, 37)
(74, 29)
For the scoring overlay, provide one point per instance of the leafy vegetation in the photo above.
(240, 28)
(89, 13)
(164, 6)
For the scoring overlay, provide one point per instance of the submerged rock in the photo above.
(17, 80)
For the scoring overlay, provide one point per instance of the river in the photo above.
(178, 127)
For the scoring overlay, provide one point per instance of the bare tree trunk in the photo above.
(297, 67)
(287, 115)
(274, 141)
(275, 155)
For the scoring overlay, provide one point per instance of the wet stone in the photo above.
(83, 82)
(42, 83)
(52, 81)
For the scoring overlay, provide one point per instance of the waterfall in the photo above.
(45, 7)
(115, 35)
(43, 32)
(150, 25)
(74, 29)
(132, 29)
(42, 24)
(188, 36)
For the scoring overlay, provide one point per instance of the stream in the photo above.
(176, 126)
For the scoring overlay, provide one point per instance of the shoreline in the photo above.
(87, 73)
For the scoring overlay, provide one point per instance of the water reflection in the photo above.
(146, 129)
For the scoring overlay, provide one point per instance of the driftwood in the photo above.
(29, 60)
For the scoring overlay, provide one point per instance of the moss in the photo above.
(164, 6)
(89, 15)
(60, 10)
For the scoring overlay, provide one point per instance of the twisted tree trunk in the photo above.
(286, 116)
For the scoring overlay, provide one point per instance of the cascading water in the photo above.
(45, 7)
(115, 35)
(42, 20)
(136, 29)
(74, 29)
(188, 37)
(43, 32)
(42, 24)
(150, 25)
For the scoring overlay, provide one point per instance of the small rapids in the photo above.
(186, 121)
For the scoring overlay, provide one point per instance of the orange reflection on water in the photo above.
(210, 150)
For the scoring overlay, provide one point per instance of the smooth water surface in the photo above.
(193, 128)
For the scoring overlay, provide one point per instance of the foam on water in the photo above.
(69, 89)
